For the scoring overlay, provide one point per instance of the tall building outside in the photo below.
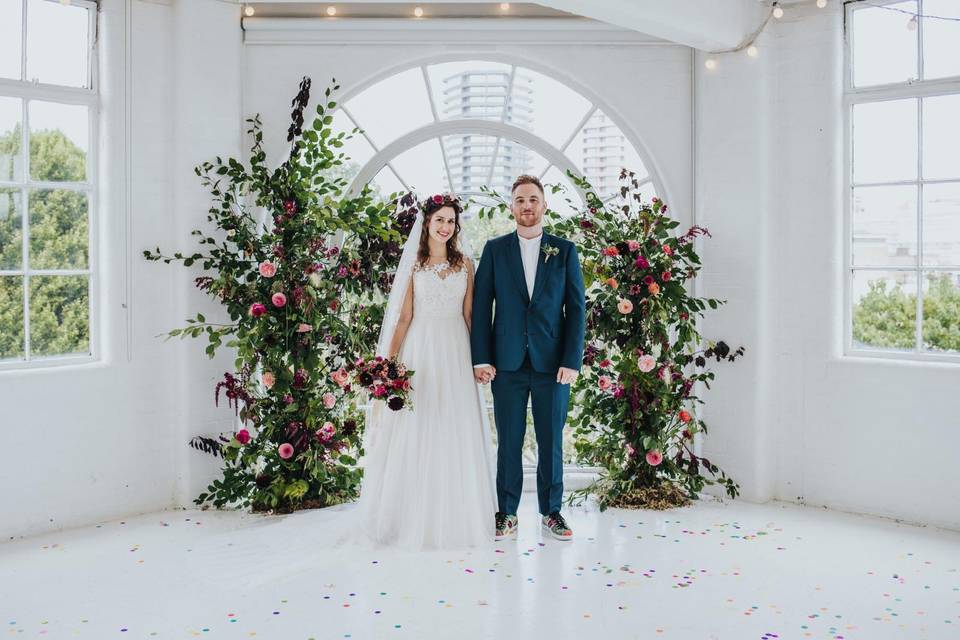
(604, 152)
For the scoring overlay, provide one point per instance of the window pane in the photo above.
(479, 230)
(11, 123)
(941, 136)
(941, 53)
(884, 226)
(357, 150)
(941, 311)
(476, 89)
(392, 107)
(885, 141)
(59, 139)
(567, 200)
(884, 50)
(941, 224)
(422, 168)
(58, 229)
(11, 317)
(557, 109)
(11, 229)
(59, 315)
(600, 151)
(58, 43)
(470, 156)
(11, 32)
(884, 309)
(386, 183)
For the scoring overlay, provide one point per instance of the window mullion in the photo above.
(23, 41)
(919, 324)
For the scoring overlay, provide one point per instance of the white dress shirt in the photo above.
(530, 257)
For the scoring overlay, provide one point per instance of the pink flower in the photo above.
(287, 399)
(664, 373)
(268, 269)
(618, 391)
(667, 250)
(642, 263)
(290, 206)
(303, 327)
(604, 382)
(326, 432)
(285, 450)
(329, 400)
(654, 457)
(630, 450)
(379, 391)
(257, 309)
(610, 252)
(624, 306)
(340, 376)
(653, 288)
(647, 279)
(278, 299)
(438, 199)
(268, 379)
(633, 245)
(243, 436)
(685, 416)
(665, 276)
(647, 363)
(605, 363)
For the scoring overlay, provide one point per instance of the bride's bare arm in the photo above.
(403, 323)
(468, 296)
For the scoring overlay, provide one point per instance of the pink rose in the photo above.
(340, 376)
(642, 263)
(303, 327)
(633, 245)
(278, 299)
(257, 309)
(329, 400)
(665, 276)
(630, 450)
(268, 379)
(268, 269)
(647, 363)
(667, 250)
(285, 450)
(624, 306)
(647, 279)
(326, 432)
(654, 457)
(604, 382)
(379, 391)
(438, 199)
(243, 436)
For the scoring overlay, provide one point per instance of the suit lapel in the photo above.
(516, 265)
(542, 266)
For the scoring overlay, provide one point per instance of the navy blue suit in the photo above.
(528, 340)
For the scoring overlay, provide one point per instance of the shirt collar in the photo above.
(530, 240)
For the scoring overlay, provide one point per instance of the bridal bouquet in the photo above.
(385, 379)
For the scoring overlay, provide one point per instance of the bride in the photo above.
(428, 481)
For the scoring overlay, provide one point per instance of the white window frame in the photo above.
(27, 91)
(915, 89)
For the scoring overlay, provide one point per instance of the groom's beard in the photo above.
(528, 219)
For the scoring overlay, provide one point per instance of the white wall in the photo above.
(854, 434)
(99, 441)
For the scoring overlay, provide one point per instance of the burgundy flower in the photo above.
(635, 289)
(395, 403)
(665, 276)
(300, 379)
(648, 280)
(288, 399)
(257, 309)
(438, 199)
(290, 206)
(586, 224)
(642, 263)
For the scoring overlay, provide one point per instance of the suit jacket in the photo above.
(549, 325)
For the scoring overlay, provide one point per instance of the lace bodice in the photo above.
(438, 290)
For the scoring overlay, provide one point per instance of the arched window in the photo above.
(462, 124)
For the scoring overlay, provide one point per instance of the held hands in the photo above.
(483, 375)
(566, 376)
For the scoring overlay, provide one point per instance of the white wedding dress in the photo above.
(428, 475)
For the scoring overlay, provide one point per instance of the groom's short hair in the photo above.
(527, 179)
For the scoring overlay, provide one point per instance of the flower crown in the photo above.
(440, 200)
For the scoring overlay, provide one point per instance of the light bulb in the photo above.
(249, 11)
(331, 11)
(821, 3)
(418, 12)
(912, 24)
(505, 6)
(710, 63)
(752, 51)
(777, 10)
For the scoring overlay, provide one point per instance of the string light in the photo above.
(821, 4)
(331, 11)
(777, 10)
(249, 10)
(752, 51)
(505, 6)
(710, 63)
(418, 12)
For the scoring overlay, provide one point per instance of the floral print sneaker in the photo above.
(556, 526)
(506, 526)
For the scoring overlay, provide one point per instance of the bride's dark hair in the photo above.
(429, 207)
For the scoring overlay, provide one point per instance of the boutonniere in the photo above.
(549, 250)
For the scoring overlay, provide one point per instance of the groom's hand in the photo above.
(483, 375)
(566, 376)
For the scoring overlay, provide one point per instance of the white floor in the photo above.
(713, 570)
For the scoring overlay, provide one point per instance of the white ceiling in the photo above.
(702, 24)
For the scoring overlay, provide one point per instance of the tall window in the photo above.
(48, 104)
(903, 252)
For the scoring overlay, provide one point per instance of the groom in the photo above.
(531, 349)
